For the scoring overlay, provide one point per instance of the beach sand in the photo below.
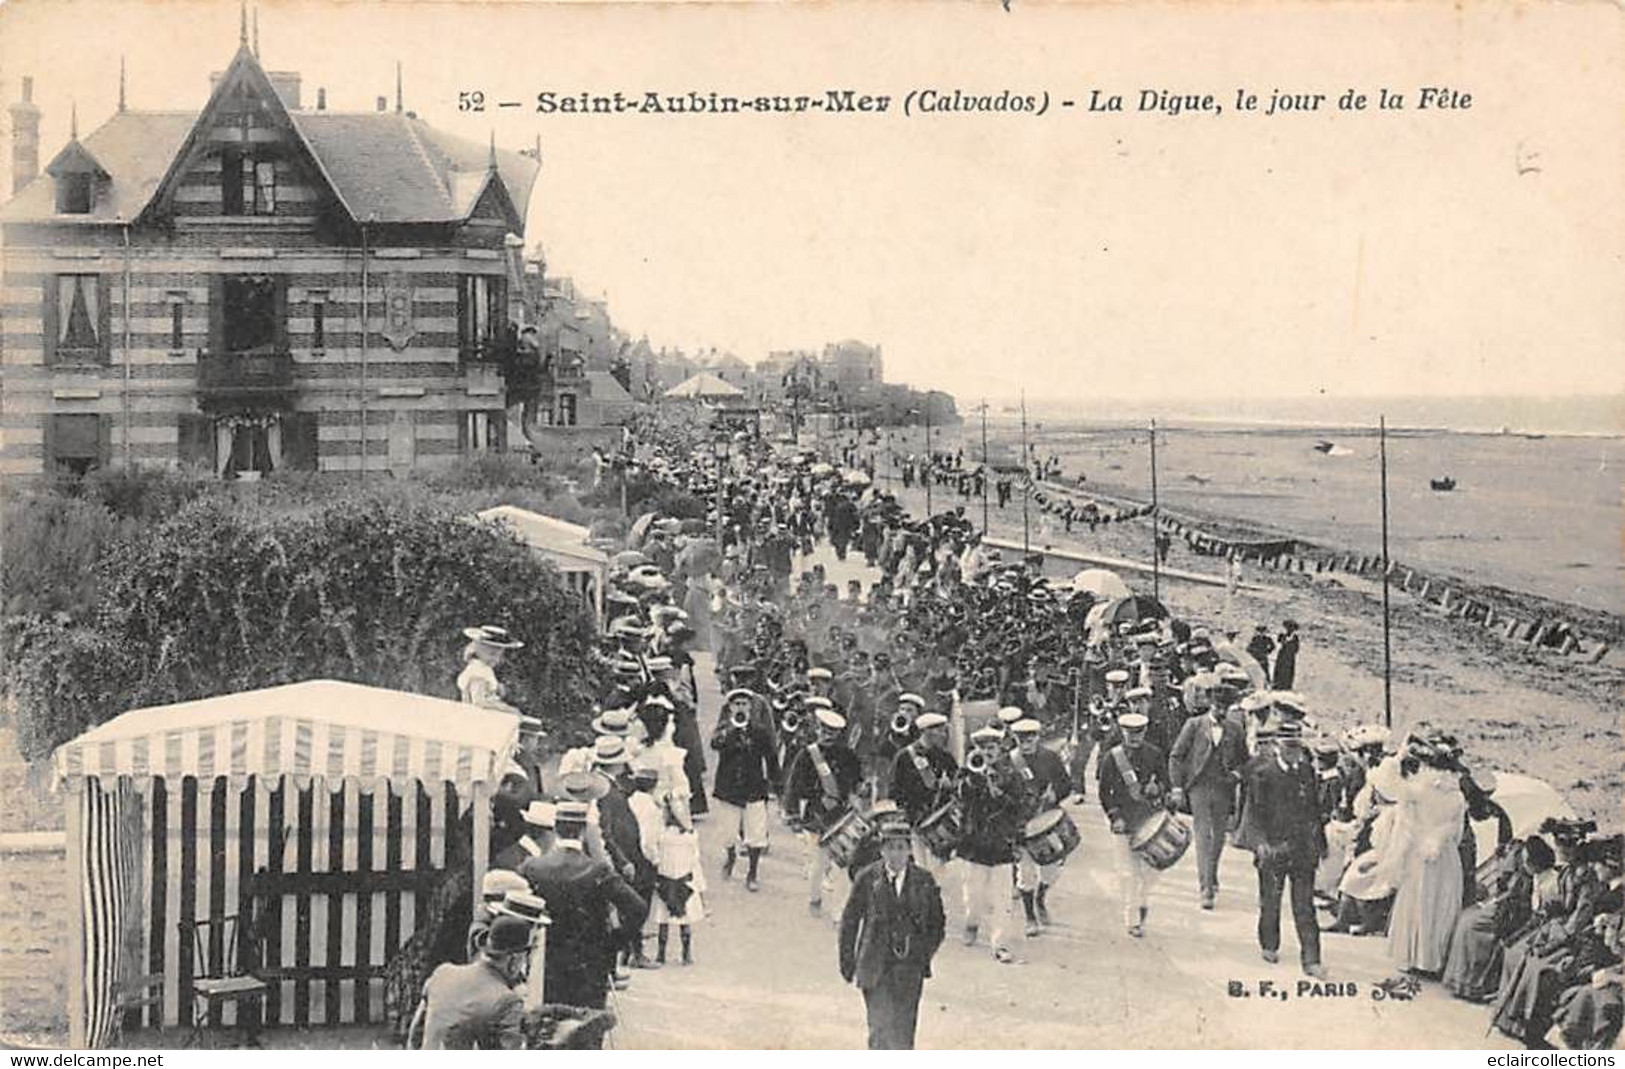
(1514, 709)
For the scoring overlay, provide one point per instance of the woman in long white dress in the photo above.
(1423, 863)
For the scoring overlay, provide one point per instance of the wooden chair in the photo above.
(233, 984)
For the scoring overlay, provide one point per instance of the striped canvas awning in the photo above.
(318, 728)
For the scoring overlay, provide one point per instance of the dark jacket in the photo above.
(909, 790)
(1047, 784)
(1286, 662)
(1285, 811)
(581, 946)
(880, 931)
(747, 765)
(1195, 763)
(995, 814)
(1117, 799)
(804, 795)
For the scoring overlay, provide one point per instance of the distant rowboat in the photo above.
(1325, 447)
(1446, 483)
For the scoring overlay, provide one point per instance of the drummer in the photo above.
(1133, 790)
(1044, 781)
(820, 786)
(922, 778)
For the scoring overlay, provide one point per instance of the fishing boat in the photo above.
(1444, 484)
(1324, 446)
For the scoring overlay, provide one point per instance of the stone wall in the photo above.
(33, 932)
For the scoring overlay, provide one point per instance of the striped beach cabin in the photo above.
(320, 815)
(258, 285)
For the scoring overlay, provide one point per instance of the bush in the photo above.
(374, 589)
(51, 544)
(140, 493)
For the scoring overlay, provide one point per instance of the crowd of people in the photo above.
(944, 724)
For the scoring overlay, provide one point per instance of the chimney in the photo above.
(321, 98)
(24, 138)
(383, 104)
(286, 85)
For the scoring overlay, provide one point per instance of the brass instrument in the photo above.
(979, 763)
(739, 719)
(901, 723)
(790, 722)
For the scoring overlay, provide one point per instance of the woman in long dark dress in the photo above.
(1474, 968)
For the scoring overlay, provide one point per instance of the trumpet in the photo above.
(979, 763)
(901, 723)
(739, 719)
(790, 722)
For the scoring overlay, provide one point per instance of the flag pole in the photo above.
(1156, 534)
(1387, 644)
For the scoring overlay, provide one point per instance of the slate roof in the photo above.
(134, 148)
(386, 167)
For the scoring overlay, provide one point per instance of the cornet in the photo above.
(979, 763)
(790, 722)
(739, 719)
(901, 723)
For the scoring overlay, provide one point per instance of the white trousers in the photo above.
(929, 861)
(827, 881)
(1030, 874)
(749, 824)
(1135, 878)
(988, 904)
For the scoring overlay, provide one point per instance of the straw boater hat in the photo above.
(613, 722)
(829, 718)
(528, 907)
(497, 638)
(498, 882)
(609, 751)
(580, 787)
(540, 814)
(573, 811)
(926, 721)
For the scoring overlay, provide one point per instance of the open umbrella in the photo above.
(640, 528)
(627, 558)
(1528, 801)
(1104, 585)
(854, 477)
(821, 469)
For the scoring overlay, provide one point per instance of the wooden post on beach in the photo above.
(1387, 566)
(1026, 491)
(986, 474)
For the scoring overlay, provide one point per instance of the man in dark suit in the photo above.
(579, 891)
(747, 774)
(890, 930)
(1282, 792)
(1203, 767)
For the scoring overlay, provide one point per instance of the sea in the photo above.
(1536, 504)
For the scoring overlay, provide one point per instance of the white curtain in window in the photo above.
(76, 317)
(223, 438)
(273, 442)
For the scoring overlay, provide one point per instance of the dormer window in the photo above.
(247, 184)
(75, 194)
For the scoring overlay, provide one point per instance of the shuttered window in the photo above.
(77, 319)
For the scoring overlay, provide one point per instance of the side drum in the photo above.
(845, 836)
(1050, 837)
(943, 828)
(1162, 839)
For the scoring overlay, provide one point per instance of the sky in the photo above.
(1070, 255)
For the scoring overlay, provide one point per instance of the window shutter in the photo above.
(299, 440)
(104, 440)
(462, 432)
(196, 441)
(49, 437)
(104, 320)
(464, 314)
(281, 306)
(217, 314)
(48, 317)
(499, 429)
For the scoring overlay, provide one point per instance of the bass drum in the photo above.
(943, 829)
(845, 836)
(1161, 839)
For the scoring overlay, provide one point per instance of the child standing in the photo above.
(677, 899)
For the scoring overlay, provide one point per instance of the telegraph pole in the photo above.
(930, 462)
(984, 468)
(1387, 642)
(1156, 533)
(1027, 475)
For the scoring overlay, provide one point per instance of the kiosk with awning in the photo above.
(585, 567)
(325, 809)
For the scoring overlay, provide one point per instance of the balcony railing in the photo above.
(245, 380)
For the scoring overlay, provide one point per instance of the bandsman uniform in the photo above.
(820, 786)
(1044, 782)
(1133, 786)
(923, 777)
(747, 775)
(992, 803)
